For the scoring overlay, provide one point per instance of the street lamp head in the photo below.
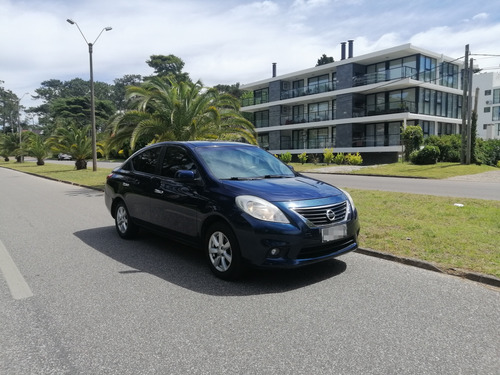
(108, 28)
(70, 21)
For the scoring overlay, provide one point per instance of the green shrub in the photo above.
(412, 138)
(487, 152)
(339, 158)
(303, 158)
(328, 155)
(354, 159)
(286, 157)
(450, 146)
(427, 155)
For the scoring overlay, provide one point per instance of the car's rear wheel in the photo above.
(223, 253)
(124, 225)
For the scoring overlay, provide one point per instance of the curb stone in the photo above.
(473, 276)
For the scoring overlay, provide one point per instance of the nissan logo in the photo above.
(330, 214)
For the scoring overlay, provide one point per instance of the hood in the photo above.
(283, 189)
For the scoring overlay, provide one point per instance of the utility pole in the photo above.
(469, 115)
(465, 77)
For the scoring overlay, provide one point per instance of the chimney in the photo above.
(350, 48)
(274, 70)
(342, 51)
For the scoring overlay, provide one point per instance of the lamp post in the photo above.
(92, 101)
(21, 157)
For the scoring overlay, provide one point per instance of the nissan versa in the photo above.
(241, 204)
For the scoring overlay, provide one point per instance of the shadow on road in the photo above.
(185, 266)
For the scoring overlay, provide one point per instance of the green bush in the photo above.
(488, 152)
(303, 158)
(286, 157)
(328, 156)
(354, 159)
(339, 158)
(449, 146)
(427, 155)
(412, 138)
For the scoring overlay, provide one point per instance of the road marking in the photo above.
(17, 285)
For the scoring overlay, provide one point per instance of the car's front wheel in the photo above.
(223, 253)
(124, 225)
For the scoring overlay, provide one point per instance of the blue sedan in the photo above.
(241, 204)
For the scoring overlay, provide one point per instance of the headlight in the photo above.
(260, 209)
(351, 202)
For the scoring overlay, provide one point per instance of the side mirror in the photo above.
(184, 176)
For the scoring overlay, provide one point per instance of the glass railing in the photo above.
(316, 88)
(310, 117)
(391, 107)
(253, 101)
(386, 75)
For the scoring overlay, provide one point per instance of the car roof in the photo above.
(195, 144)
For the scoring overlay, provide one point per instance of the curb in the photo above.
(473, 276)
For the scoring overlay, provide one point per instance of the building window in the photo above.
(496, 96)
(495, 115)
(334, 109)
(298, 114)
(427, 71)
(261, 119)
(427, 128)
(487, 92)
(317, 138)
(318, 112)
(261, 96)
(487, 109)
(449, 75)
(318, 84)
(263, 140)
(298, 87)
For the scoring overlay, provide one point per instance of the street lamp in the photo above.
(92, 103)
(21, 157)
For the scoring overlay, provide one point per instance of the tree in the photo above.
(324, 60)
(75, 141)
(234, 90)
(37, 147)
(9, 143)
(181, 111)
(412, 138)
(168, 67)
(120, 86)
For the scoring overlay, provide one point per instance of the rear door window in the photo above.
(147, 161)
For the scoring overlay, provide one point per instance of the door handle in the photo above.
(158, 191)
(126, 184)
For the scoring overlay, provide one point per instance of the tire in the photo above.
(223, 253)
(123, 223)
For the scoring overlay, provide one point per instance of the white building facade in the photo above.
(488, 104)
(358, 104)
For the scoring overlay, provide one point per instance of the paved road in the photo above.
(449, 188)
(489, 189)
(99, 305)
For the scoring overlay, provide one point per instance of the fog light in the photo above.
(274, 252)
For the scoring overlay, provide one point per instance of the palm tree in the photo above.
(9, 144)
(166, 110)
(74, 141)
(37, 147)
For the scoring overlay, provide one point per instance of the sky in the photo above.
(227, 41)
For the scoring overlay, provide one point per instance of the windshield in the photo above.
(242, 162)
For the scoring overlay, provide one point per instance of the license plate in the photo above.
(334, 233)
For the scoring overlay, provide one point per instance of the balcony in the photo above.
(385, 75)
(306, 118)
(388, 108)
(254, 101)
(317, 88)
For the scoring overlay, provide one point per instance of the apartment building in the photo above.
(488, 104)
(358, 104)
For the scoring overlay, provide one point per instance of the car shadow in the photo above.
(186, 266)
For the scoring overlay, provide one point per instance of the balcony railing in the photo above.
(310, 117)
(253, 101)
(386, 75)
(391, 107)
(316, 88)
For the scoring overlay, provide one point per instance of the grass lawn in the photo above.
(417, 226)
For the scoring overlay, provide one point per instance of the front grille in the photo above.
(323, 215)
(326, 249)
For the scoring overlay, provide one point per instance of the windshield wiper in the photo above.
(275, 176)
(242, 178)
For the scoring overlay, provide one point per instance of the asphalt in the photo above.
(473, 276)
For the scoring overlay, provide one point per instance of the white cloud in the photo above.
(224, 41)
